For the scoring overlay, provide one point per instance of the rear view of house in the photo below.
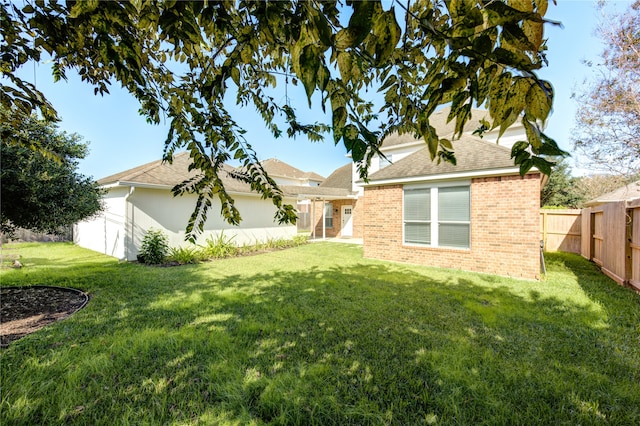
(478, 215)
(140, 199)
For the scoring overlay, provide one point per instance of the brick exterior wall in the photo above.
(335, 231)
(505, 228)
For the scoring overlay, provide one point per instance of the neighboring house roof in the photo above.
(161, 174)
(275, 167)
(340, 178)
(439, 121)
(155, 173)
(472, 155)
(628, 192)
(311, 192)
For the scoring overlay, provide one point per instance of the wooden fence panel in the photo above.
(585, 243)
(560, 230)
(610, 239)
(634, 273)
(597, 235)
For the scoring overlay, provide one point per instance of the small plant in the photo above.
(220, 247)
(186, 255)
(300, 239)
(154, 248)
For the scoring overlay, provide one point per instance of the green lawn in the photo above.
(318, 335)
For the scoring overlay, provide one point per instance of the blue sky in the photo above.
(120, 139)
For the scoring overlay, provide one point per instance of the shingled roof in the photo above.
(439, 121)
(628, 192)
(472, 154)
(161, 174)
(340, 178)
(275, 167)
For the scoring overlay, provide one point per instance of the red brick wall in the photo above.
(335, 231)
(505, 234)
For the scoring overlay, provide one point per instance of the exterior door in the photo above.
(347, 223)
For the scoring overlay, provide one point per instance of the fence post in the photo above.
(628, 251)
(544, 228)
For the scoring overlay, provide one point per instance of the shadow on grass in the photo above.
(358, 342)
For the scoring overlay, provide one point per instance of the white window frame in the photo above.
(328, 214)
(435, 220)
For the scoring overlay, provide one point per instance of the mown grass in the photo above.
(318, 335)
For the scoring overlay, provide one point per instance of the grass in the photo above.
(318, 335)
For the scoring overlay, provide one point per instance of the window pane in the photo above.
(417, 233)
(417, 204)
(453, 204)
(454, 235)
(328, 222)
(328, 210)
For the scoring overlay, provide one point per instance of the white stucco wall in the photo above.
(119, 231)
(105, 233)
(159, 209)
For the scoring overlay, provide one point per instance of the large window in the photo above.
(328, 215)
(437, 216)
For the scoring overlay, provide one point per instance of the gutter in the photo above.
(446, 176)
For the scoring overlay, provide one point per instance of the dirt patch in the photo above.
(24, 310)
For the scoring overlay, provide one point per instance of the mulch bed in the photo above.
(24, 310)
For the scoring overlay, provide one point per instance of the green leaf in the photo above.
(388, 33)
(498, 96)
(345, 64)
(539, 100)
(235, 76)
(533, 134)
(309, 65)
(429, 134)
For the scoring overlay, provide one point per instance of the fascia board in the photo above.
(446, 176)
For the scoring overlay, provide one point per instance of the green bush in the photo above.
(220, 247)
(299, 240)
(186, 255)
(154, 248)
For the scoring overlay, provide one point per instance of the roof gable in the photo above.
(628, 192)
(439, 121)
(275, 167)
(472, 154)
(167, 175)
(340, 178)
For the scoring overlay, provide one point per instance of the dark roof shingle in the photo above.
(275, 167)
(472, 154)
(162, 174)
(439, 121)
(340, 178)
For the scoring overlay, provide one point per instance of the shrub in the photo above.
(186, 255)
(220, 246)
(299, 240)
(154, 248)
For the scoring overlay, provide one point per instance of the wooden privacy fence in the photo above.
(560, 230)
(608, 235)
(611, 239)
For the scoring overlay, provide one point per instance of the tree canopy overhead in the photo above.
(180, 59)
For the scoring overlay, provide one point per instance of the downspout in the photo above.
(128, 236)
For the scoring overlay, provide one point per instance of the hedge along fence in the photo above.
(607, 234)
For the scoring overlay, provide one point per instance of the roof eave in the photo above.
(446, 176)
